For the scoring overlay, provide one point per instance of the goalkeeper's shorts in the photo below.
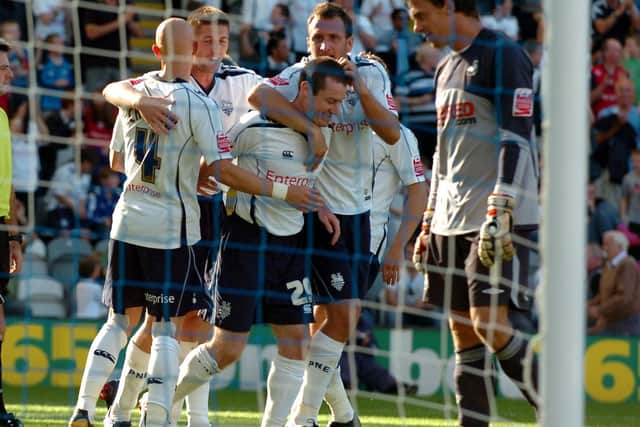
(469, 284)
(167, 282)
(260, 278)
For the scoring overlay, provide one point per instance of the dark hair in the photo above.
(399, 11)
(4, 45)
(284, 9)
(275, 37)
(87, 265)
(318, 70)
(329, 11)
(466, 7)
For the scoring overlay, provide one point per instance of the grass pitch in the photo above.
(47, 406)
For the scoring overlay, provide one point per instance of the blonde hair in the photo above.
(207, 15)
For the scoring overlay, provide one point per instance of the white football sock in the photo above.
(102, 358)
(162, 375)
(283, 385)
(132, 381)
(322, 360)
(197, 400)
(198, 368)
(337, 399)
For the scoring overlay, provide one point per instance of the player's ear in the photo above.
(349, 43)
(156, 50)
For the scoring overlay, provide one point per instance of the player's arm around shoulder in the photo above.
(153, 109)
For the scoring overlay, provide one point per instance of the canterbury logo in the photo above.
(154, 380)
(106, 355)
(136, 374)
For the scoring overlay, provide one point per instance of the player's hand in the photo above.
(391, 264)
(331, 223)
(304, 198)
(207, 185)
(15, 255)
(351, 70)
(154, 110)
(420, 246)
(495, 233)
(318, 148)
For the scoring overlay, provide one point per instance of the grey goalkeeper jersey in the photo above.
(484, 101)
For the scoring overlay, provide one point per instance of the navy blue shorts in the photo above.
(341, 271)
(167, 282)
(260, 278)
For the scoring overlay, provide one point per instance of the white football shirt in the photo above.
(277, 153)
(395, 166)
(158, 206)
(230, 91)
(345, 181)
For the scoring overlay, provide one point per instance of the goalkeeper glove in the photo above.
(420, 246)
(495, 233)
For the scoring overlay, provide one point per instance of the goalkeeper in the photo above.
(484, 191)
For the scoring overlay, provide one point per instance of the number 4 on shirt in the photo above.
(147, 154)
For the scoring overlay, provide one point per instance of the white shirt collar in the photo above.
(618, 258)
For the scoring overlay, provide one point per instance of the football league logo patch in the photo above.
(391, 103)
(522, 102)
(224, 146)
(418, 167)
(278, 81)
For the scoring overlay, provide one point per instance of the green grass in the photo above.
(47, 406)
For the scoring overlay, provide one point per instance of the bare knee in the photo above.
(492, 326)
(292, 340)
(342, 318)
(194, 329)
(462, 331)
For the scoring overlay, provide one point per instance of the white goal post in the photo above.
(563, 241)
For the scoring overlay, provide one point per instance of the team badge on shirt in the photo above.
(226, 107)
(522, 102)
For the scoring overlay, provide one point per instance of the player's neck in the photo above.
(466, 30)
(171, 71)
(205, 77)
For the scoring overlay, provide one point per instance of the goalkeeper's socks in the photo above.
(511, 358)
(3, 410)
(102, 358)
(337, 399)
(283, 385)
(322, 361)
(132, 381)
(162, 375)
(198, 399)
(198, 368)
(473, 387)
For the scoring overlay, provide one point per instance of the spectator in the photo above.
(416, 99)
(61, 124)
(67, 196)
(613, 19)
(102, 201)
(51, 18)
(373, 376)
(26, 163)
(364, 37)
(99, 119)
(632, 61)
(256, 15)
(617, 134)
(595, 257)
(100, 29)
(55, 74)
(403, 43)
(19, 60)
(530, 20)
(630, 201)
(616, 308)
(502, 20)
(379, 13)
(89, 290)
(603, 216)
(278, 54)
(300, 10)
(605, 75)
